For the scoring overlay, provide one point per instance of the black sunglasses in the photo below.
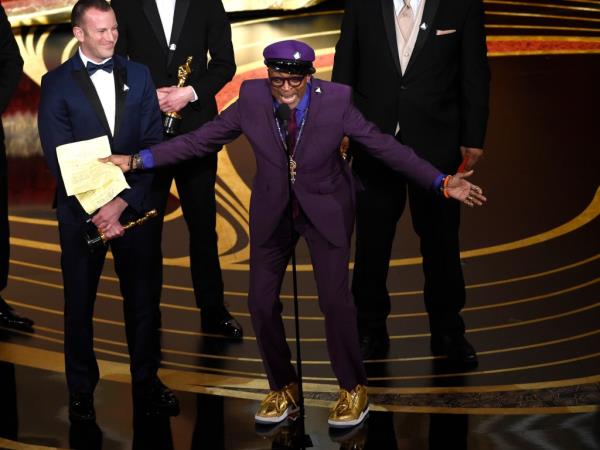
(293, 81)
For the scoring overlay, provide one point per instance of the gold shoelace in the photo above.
(344, 401)
(279, 396)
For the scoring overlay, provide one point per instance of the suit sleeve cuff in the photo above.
(437, 183)
(147, 158)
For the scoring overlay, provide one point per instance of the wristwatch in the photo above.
(136, 162)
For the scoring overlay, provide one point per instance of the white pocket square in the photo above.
(443, 32)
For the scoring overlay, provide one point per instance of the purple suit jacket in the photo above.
(324, 184)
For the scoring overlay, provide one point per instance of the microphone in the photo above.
(283, 113)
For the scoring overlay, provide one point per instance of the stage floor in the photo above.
(531, 262)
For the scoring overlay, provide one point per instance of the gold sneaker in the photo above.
(278, 405)
(351, 408)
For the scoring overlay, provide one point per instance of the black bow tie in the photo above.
(93, 68)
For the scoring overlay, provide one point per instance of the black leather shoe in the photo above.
(221, 322)
(10, 319)
(155, 399)
(456, 348)
(373, 346)
(81, 408)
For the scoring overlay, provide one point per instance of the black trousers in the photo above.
(435, 219)
(195, 181)
(4, 231)
(135, 255)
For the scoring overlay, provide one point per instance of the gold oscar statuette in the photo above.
(95, 239)
(172, 120)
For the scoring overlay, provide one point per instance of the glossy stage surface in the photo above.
(531, 262)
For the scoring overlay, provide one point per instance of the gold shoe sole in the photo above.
(291, 412)
(349, 423)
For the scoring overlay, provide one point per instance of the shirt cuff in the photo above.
(437, 183)
(147, 158)
(195, 95)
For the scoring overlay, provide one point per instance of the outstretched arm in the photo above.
(207, 139)
(403, 159)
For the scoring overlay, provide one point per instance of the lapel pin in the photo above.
(318, 90)
(125, 88)
(172, 47)
(423, 26)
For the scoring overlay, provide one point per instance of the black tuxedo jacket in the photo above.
(70, 110)
(199, 27)
(441, 101)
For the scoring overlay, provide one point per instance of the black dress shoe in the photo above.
(221, 322)
(373, 346)
(456, 348)
(85, 436)
(81, 408)
(10, 319)
(156, 399)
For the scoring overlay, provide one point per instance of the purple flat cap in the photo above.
(290, 57)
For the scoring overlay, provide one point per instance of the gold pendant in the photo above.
(293, 166)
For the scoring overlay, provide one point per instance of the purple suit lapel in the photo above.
(312, 119)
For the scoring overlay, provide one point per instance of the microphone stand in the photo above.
(302, 440)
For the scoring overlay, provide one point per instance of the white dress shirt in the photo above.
(166, 11)
(104, 83)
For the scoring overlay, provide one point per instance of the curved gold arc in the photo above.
(116, 371)
(252, 338)
(540, 16)
(231, 262)
(542, 5)
(68, 50)
(314, 297)
(412, 377)
(539, 27)
(586, 216)
(321, 318)
(15, 445)
(326, 362)
(543, 38)
(33, 54)
(545, 52)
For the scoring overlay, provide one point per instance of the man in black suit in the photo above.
(95, 94)
(419, 71)
(162, 34)
(11, 66)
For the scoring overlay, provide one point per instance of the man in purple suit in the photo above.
(322, 209)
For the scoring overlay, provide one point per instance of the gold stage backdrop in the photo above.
(44, 12)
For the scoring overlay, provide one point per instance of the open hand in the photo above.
(467, 193)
